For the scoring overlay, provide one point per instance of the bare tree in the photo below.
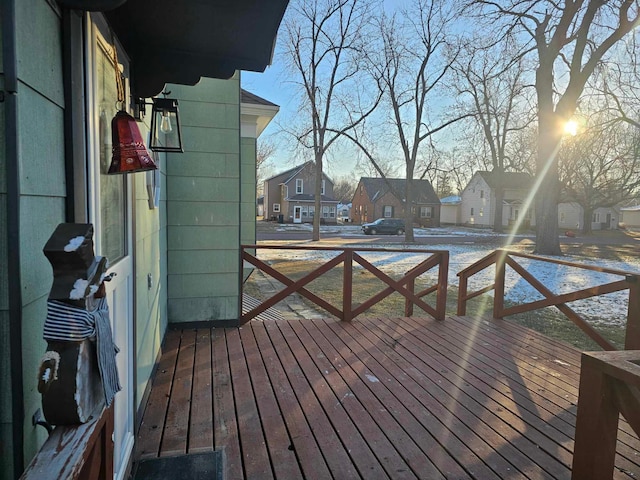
(600, 167)
(265, 150)
(343, 189)
(616, 87)
(492, 78)
(569, 40)
(324, 43)
(413, 60)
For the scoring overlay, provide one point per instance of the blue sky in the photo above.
(272, 85)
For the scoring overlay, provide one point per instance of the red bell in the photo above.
(129, 152)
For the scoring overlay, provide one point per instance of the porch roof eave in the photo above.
(180, 42)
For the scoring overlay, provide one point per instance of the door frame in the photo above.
(297, 214)
(97, 31)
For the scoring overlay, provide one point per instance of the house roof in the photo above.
(255, 113)
(377, 187)
(248, 97)
(515, 180)
(451, 200)
(180, 42)
(308, 197)
(289, 174)
(635, 208)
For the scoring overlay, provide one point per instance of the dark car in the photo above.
(384, 225)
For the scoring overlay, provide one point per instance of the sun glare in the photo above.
(571, 128)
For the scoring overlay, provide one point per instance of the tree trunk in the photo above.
(548, 193)
(318, 199)
(408, 214)
(499, 193)
(587, 214)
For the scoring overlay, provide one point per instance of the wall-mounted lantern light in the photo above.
(166, 135)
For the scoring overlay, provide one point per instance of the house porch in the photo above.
(372, 398)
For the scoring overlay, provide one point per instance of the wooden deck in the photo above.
(374, 398)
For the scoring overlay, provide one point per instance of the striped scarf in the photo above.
(72, 324)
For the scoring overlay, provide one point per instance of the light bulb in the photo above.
(165, 124)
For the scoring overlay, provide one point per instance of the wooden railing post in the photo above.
(498, 293)
(632, 335)
(443, 279)
(462, 295)
(347, 285)
(408, 304)
(594, 448)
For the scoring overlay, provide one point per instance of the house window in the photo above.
(472, 211)
(361, 189)
(387, 211)
(481, 193)
(276, 207)
(426, 212)
(482, 212)
(562, 218)
(596, 218)
(332, 212)
(322, 189)
(299, 185)
(312, 211)
(325, 211)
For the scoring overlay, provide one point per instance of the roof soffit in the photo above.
(180, 42)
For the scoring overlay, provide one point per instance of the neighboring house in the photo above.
(630, 217)
(172, 236)
(344, 212)
(290, 196)
(260, 206)
(450, 210)
(479, 199)
(378, 197)
(571, 216)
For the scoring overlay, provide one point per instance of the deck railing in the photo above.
(347, 257)
(609, 385)
(76, 452)
(501, 258)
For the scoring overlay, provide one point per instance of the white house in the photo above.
(450, 210)
(571, 216)
(477, 207)
(344, 212)
(630, 216)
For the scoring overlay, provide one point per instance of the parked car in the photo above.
(384, 225)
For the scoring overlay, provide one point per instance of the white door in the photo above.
(297, 214)
(110, 202)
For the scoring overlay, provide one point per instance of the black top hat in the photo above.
(77, 272)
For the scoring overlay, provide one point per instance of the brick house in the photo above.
(378, 197)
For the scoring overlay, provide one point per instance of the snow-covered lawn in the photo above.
(610, 309)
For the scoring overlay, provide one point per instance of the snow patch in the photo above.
(371, 378)
(74, 244)
(79, 289)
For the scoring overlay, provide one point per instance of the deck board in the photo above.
(373, 398)
(201, 418)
